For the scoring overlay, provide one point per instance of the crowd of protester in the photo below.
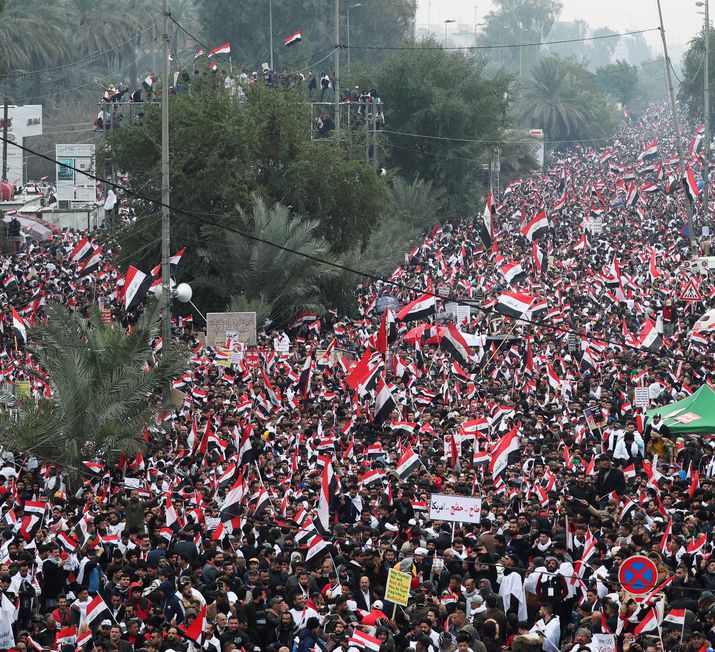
(270, 505)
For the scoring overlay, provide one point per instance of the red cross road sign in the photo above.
(638, 575)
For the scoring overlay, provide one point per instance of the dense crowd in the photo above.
(270, 506)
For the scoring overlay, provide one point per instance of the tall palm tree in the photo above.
(102, 390)
(253, 270)
(563, 99)
(32, 36)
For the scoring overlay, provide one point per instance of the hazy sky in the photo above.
(679, 16)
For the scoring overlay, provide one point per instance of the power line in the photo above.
(345, 268)
(79, 61)
(498, 47)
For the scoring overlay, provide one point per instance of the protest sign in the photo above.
(398, 587)
(462, 509)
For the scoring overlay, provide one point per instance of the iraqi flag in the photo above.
(97, 611)
(292, 39)
(512, 272)
(513, 304)
(407, 462)
(221, 49)
(649, 623)
(536, 227)
(541, 260)
(136, 286)
(384, 402)
(173, 263)
(582, 244)
(92, 263)
(650, 338)
(691, 185)
(420, 308)
(317, 547)
(649, 151)
(364, 642)
(66, 636)
(81, 250)
(454, 342)
(500, 454)
(305, 376)
(19, 325)
(486, 224)
(675, 617)
(387, 333)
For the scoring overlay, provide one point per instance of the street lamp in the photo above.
(706, 112)
(355, 6)
(447, 22)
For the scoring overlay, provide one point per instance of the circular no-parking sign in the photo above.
(638, 575)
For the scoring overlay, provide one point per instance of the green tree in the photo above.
(563, 98)
(619, 79)
(601, 52)
(519, 21)
(223, 152)
(32, 36)
(250, 273)
(438, 105)
(418, 202)
(691, 88)
(101, 391)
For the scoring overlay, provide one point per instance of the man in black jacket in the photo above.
(609, 480)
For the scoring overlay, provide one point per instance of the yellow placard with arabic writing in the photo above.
(398, 587)
(23, 388)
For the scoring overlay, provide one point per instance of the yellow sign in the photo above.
(23, 388)
(398, 587)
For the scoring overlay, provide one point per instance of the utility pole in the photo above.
(4, 137)
(165, 193)
(678, 140)
(336, 90)
(270, 28)
(706, 117)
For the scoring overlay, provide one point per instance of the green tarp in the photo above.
(693, 414)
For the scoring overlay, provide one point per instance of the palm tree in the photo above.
(102, 388)
(419, 201)
(32, 36)
(252, 270)
(564, 100)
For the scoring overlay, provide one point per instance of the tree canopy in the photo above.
(441, 103)
(563, 98)
(224, 155)
(691, 85)
(102, 385)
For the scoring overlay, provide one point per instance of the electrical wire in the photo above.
(346, 268)
(15, 74)
(498, 47)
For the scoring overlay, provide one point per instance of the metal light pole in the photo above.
(336, 90)
(706, 111)
(447, 22)
(165, 193)
(270, 28)
(678, 139)
(355, 6)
